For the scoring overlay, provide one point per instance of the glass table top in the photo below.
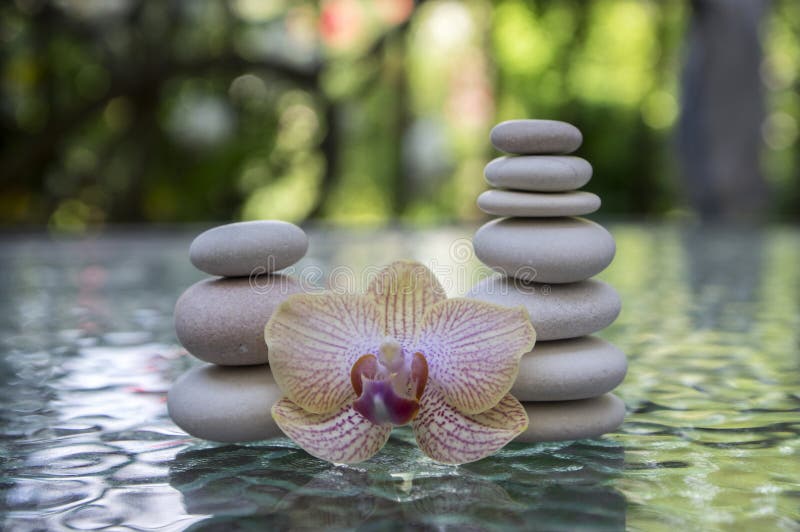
(710, 323)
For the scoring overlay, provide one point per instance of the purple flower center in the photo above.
(389, 385)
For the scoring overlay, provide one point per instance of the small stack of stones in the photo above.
(546, 254)
(221, 321)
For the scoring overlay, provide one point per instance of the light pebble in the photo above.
(222, 320)
(225, 404)
(245, 248)
(539, 173)
(573, 420)
(565, 370)
(557, 311)
(537, 204)
(536, 137)
(545, 250)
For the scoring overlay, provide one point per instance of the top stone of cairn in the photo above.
(245, 248)
(536, 137)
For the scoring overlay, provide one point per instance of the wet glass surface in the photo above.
(710, 322)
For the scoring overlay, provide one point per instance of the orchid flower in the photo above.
(354, 366)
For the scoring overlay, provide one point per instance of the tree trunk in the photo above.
(723, 109)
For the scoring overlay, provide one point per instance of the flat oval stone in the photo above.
(557, 311)
(237, 250)
(565, 370)
(539, 173)
(225, 404)
(573, 420)
(536, 136)
(222, 320)
(537, 204)
(546, 250)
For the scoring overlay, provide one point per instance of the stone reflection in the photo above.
(724, 274)
(275, 485)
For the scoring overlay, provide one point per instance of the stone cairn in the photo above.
(221, 321)
(546, 254)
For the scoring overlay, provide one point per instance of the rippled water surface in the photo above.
(710, 322)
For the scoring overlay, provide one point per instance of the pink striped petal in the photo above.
(404, 291)
(314, 340)
(473, 350)
(448, 436)
(342, 437)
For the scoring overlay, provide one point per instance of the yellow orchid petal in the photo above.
(404, 291)
(473, 350)
(342, 437)
(314, 339)
(448, 436)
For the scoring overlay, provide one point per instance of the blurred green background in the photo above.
(367, 112)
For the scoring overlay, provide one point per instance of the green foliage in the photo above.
(348, 110)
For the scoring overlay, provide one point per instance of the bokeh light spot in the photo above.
(257, 10)
(201, 119)
(118, 114)
(247, 87)
(779, 130)
(659, 110)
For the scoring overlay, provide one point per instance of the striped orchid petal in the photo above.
(342, 437)
(473, 350)
(314, 340)
(404, 291)
(352, 367)
(448, 436)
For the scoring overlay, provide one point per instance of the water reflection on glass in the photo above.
(281, 486)
(710, 322)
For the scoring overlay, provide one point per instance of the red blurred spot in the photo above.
(93, 277)
(341, 22)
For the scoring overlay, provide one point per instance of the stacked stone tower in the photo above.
(546, 255)
(221, 320)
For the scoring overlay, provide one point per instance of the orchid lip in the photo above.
(390, 385)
